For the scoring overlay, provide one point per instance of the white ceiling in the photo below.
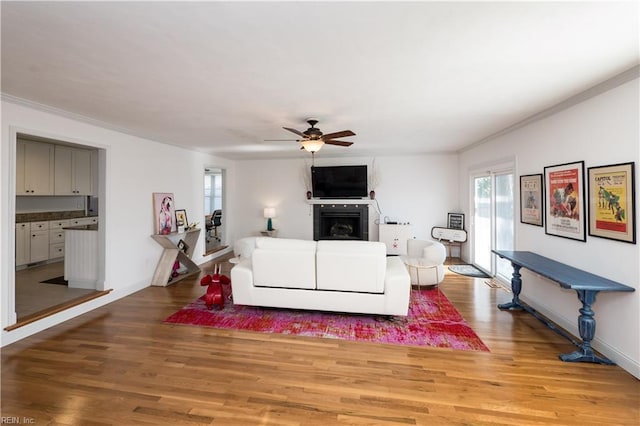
(220, 77)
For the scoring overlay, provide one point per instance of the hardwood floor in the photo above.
(121, 365)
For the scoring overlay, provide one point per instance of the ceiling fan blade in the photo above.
(339, 143)
(297, 132)
(336, 135)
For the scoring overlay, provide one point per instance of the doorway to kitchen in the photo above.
(65, 195)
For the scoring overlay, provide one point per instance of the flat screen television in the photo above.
(339, 181)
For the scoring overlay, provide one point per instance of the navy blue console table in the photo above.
(585, 284)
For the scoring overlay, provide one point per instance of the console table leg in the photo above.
(587, 328)
(516, 287)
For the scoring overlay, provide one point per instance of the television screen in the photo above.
(339, 181)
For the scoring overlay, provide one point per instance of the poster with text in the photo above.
(564, 200)
(531, 199)
(611, 202)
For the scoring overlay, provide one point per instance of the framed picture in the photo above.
(455, 220)
(181, 218)
(531, 206)
(182, 246)
(612, 202)
(564, 201)
(163, 213)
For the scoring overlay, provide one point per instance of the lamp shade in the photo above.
(269, 212)
(312, 145)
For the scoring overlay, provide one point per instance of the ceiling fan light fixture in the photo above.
(312, 145)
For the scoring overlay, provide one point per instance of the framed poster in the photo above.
(564, 204)
(612, 202)
(455, 220)
(163, 213)
(531, 206)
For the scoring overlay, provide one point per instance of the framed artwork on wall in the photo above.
(163, 213)
(531, 205)
(564, 203)
(612, 202)
(455, 220)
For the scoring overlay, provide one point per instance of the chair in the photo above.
(216, 221)
(212, 222)
(425, 261)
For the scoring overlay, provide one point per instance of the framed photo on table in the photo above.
(612, 202)
(531, 205)
(455, 220)
(181, 218)
(564, 201)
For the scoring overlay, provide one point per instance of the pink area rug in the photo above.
(432, 321)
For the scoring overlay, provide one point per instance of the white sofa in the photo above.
(341, 276)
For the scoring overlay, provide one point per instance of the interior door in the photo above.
(493, 220)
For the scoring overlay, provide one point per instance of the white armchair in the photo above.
(425, 261)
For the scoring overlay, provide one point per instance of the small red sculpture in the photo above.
(214, 294)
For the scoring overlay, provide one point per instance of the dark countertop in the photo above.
(93, 227)
(46, 216)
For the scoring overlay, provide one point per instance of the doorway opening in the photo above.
(214, 218)
(57, 185)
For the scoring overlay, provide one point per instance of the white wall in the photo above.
(601, 130)
(135, 168)
(418, 189)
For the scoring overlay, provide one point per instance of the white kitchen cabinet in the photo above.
(395, 237)
(34, 168)
(56, 238)
(39, 241)
(23, 243)
(72, 171)
(80, 221)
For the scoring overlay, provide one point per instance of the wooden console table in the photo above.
(172, 252)
(585, 284)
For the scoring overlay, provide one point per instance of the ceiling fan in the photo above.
(313, 139)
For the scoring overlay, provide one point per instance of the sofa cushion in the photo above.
(358, 266)
(286, 263)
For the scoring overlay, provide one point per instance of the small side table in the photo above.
(418, 264)
(273, 233)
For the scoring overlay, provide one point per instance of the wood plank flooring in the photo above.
(120, 365)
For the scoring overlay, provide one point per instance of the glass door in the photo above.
(482, 222)
(493, 220)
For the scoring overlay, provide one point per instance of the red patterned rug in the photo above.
(432, 321)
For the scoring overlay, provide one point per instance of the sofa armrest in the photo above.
(242, 283)
(397, 287)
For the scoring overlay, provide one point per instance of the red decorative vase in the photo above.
(372, 194)
(308, 195)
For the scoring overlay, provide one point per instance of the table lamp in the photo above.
(269, 212)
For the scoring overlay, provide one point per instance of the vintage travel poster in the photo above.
(564, 200)
(611, 207)
(531, 199)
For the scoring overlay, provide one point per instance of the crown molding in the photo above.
(82, 118)
(618, 80)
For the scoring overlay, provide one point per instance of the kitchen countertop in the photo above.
(46, 216)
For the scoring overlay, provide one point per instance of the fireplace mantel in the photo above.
(340, 201)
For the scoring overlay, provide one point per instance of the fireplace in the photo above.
(341, 222)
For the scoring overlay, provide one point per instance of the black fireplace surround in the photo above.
(341, 222)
